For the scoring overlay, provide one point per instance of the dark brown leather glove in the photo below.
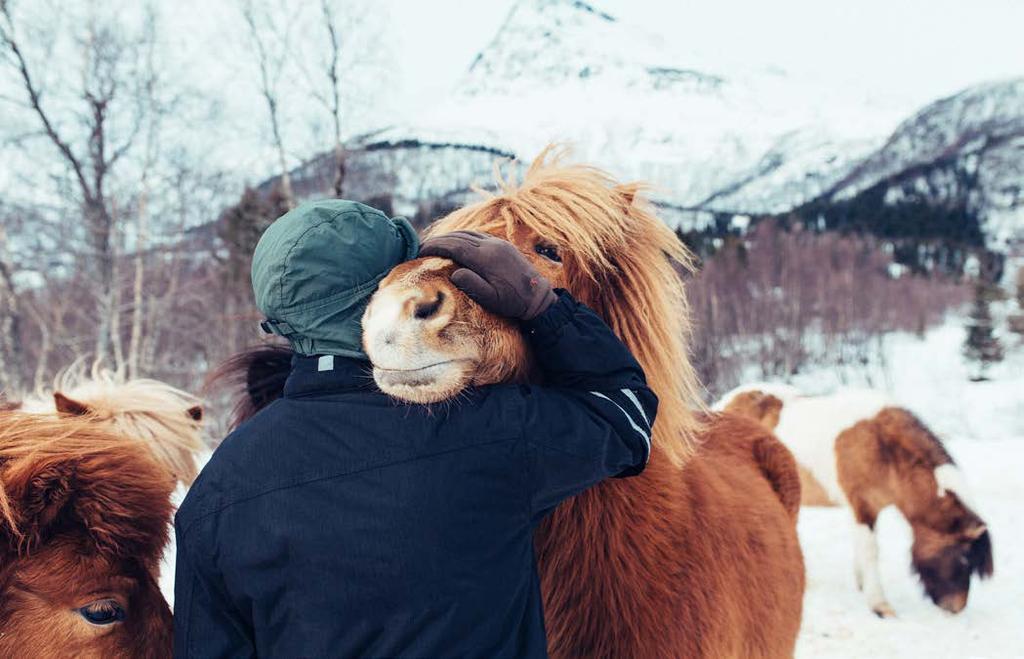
(494, 273)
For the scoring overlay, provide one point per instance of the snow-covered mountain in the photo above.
(713, 137)
(746, 139)
(966, 149)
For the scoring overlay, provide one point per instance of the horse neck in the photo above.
(912, 455)
(631, 522)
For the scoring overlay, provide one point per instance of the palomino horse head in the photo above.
(428, 341)
(599, 240)
(84, 516)
(167, 419)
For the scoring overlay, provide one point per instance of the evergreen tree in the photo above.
(1020, 288)
(982, 346)
(1016, 321)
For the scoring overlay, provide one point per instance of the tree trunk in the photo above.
(10, 325)
(138, 303)
(339, 170)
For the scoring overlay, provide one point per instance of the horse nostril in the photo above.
(424, 310)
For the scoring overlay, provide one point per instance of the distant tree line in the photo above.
(778, 300)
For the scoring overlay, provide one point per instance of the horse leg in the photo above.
(865, 564)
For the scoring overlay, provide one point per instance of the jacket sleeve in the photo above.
(592, 419)
(205, 621)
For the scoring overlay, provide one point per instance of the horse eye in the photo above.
(964, 561)
(549, 252)
(102, 612)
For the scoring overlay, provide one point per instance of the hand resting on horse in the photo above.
(494, 274)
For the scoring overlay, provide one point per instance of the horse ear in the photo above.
(68, 406)
(196, 412)
(974, 529)
(980, 554)
(38, 492)
(769, 404)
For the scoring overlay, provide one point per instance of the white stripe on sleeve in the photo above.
(638, 429)
(630, 395)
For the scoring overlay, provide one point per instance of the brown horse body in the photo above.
(690, 563)
(694, 561)
(84, 516)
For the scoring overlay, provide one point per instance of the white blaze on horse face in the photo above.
(950, 479)
(381, 322)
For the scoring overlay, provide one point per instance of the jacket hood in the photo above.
(315, 268)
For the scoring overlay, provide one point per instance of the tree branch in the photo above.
(8, 39)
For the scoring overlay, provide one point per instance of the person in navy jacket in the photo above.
(338, 522)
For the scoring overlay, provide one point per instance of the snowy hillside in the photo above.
(969, 146)
(718, 137)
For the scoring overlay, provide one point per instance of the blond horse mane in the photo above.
(622, 261)
(146, 410)
(28, 441)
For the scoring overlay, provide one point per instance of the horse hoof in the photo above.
(883, 610)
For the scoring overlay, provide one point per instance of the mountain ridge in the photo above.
(713, 139)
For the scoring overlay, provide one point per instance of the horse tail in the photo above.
(779, 467)
(256, 378)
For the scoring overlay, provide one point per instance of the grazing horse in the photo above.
(84, 515)
(697, 556)
(167, 419)
(862, 451)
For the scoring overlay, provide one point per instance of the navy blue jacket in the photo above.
(338, 522)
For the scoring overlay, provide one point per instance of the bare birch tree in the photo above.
(271, 43)
(10, 323)
(332, 100)
(342, 71)
(97, 129)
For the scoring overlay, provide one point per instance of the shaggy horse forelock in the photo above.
(620, 260)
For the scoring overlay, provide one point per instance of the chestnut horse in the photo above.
(862, 451)
(696, 557)
(167, 419)
(84, 515)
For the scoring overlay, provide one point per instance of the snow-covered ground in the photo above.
(983, 426)
(930, 377)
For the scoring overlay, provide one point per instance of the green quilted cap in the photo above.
(316, 267)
